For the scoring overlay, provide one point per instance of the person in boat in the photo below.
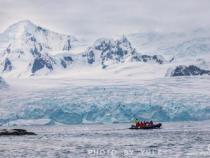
(136, 121)
(138, 124)
(141, 124)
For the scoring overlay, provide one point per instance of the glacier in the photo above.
(105, 101)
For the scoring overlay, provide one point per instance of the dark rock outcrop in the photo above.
(90, 57)
(63, 63)
(15, 132)
(41, 29)
(40, 63)
(36, 49)
(109, 51)
(7, 65)
(147, 58)
(191, 70)
(66, 60)
(116, 50)
(67, 45)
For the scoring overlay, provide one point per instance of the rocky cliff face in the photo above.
(108, 51)
(191, 70)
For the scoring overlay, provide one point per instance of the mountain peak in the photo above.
(22, 23)
(26, 22)
(20, 28)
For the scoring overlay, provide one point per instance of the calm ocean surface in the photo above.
(179, 139)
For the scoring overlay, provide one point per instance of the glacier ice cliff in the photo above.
(158, 100)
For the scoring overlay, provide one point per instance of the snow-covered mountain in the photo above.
(189, 52)
(107, 52)
(181, 44)
(27, 48)
(192, 48)
(26, 35)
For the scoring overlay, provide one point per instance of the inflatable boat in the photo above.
(154, 126)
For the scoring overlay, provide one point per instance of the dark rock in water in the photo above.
(7, 65)
(15, 132)
(189, 71)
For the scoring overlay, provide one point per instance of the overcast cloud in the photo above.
(105, 18)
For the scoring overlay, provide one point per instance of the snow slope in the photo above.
(182, 44)
(21, 35)
(3, 83)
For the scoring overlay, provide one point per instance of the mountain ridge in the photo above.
(30, 50)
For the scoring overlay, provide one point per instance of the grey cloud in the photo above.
(96, 18)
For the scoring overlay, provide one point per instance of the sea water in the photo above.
(177, 139)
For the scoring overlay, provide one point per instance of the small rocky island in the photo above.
(15, 132)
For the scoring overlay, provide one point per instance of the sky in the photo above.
(107, 18)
